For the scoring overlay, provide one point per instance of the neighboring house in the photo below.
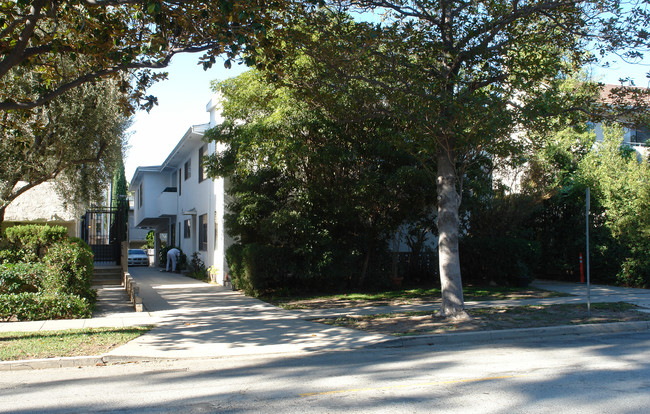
(42, 205)
(635, 136)
(181, 204)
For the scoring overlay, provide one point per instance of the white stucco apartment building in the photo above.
(178, 201)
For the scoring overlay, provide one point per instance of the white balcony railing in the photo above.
(167, 202)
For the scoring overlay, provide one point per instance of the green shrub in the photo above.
(69, 269)
(197, 268)
(21, 277)
(506, 261)
(30, 242)
(635, 269)
(181, 263)
(264, 268)
(29, 306)
(11, 255)
(234, 259)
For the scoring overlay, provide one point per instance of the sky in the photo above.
(182, 99)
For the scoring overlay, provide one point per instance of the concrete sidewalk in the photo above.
(198, 320)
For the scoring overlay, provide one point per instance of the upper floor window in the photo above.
(202, 152)
(188, 169)
(140, 196)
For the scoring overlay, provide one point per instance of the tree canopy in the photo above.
(325, 190)
(116, 37)
(76, 139)
(462, 76)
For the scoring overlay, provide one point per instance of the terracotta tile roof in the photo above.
(629, 95)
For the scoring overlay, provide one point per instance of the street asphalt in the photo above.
(193, 319)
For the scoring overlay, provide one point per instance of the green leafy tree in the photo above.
(119, 187)
(150, 238)
(552, 180)
(119, 201)
(462, 76)
(117, 38)
(327, 190)
(561, 169)
(621, 185)
(76, 139)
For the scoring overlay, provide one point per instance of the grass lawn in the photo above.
(493, 318)
(74, 342)
(406, 296)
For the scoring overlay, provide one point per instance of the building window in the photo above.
(140, 196)
(180, 180)
(187, 229)
(188, 169)
(172, 235)
(203, 232)
(201, 166)
(640, 135)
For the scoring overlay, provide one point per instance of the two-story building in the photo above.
(180, 203)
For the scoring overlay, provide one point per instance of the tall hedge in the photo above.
(257, 269)
(21, 277)
(31, 241)
(44, 274)
(69, 269)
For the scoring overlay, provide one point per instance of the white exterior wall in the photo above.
(191, 200)
(137, 236)
(153, 185)
(196, 197)
(218, 240)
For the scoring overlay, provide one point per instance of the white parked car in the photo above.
(138, 257)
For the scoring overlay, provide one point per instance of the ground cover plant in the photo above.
(405, 296)
(75, 342)
(492, 318)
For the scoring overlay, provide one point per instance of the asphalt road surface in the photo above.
(594, 374)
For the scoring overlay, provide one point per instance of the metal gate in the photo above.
(104, 229)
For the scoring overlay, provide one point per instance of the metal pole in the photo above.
(587, 258)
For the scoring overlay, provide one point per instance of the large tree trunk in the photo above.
(453, 304)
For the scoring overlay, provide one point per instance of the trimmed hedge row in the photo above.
(70, 269)
(45, 275)
(29, 306)
(21, 277)
(504, 261)
(30, 242)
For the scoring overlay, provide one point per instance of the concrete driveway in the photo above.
(196, 320)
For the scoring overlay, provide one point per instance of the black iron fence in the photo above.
(104, 229)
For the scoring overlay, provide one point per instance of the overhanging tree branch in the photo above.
(15, 57)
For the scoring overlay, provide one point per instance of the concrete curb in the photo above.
(62, 362)
(525, 334)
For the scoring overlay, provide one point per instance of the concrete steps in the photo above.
(106, 275)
